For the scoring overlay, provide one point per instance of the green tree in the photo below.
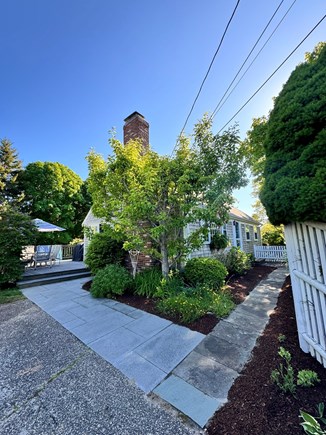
(295, 169)
(146, 197)
(273, 235)
(56, 194)
(16, 231)
(254, 151)
(10, 167)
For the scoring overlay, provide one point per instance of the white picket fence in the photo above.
(306, 251)
(270, 253)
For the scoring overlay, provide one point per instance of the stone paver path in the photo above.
(199, 385)
(146, 348)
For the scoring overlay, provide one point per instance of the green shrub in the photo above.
(16, 231)
(103, 250)
(192, 303)
(170, 286)
(218, 241)
(112, 280)
(205, 271)
(147, 282)
(221, 303)
(235, 261)
(187, 308)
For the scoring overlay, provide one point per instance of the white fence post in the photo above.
(297, 291)
(306, 247)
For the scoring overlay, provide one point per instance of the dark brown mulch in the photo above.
(240, 287)
(256, 406)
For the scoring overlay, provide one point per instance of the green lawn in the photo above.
(10, 295)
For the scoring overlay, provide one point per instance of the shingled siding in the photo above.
(248, 245)
(245, 245)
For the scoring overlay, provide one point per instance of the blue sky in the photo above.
(73, 69)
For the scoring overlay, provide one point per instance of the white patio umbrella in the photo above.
(45, 227)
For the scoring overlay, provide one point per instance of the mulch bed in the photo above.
(240, 287)
(256, 406)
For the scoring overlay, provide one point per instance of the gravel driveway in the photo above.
(51, 383)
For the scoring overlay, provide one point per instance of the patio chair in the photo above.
(42, 255)
(55, 254)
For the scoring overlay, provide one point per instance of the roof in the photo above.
(239, 215)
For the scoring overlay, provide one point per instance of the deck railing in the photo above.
(67, 251)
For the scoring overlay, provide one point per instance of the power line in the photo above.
(256, 92)
(209, 68)
(244, 62)
(219, 106)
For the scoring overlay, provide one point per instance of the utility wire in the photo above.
(243, 64)
(209, 68)
(219, 105)
(256, 92)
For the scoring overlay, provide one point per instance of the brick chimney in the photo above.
(136, 127)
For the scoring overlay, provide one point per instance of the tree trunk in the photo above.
(165, 259)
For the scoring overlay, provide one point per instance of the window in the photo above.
(255, 233)
(224, 230)
(248, 233)
(237, 235)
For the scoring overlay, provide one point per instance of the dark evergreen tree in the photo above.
(10, 167)
(295, 170)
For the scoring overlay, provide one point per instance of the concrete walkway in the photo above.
(190, 371)
(146, 348)
(53, 384)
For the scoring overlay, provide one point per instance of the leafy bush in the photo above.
(112, 280)
(205, 271)
(192, 303)
(235, 261)
(16, 231)
(221, 303)
(170, 286)
(307, 378)
(103, 250)
(147, 282)
(273, 235)
(187, 308)
(218, 241)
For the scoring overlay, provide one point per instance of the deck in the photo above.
(63, 266)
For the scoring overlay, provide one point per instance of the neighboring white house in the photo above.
(93, 225)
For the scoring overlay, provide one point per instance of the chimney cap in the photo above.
(133, 115)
